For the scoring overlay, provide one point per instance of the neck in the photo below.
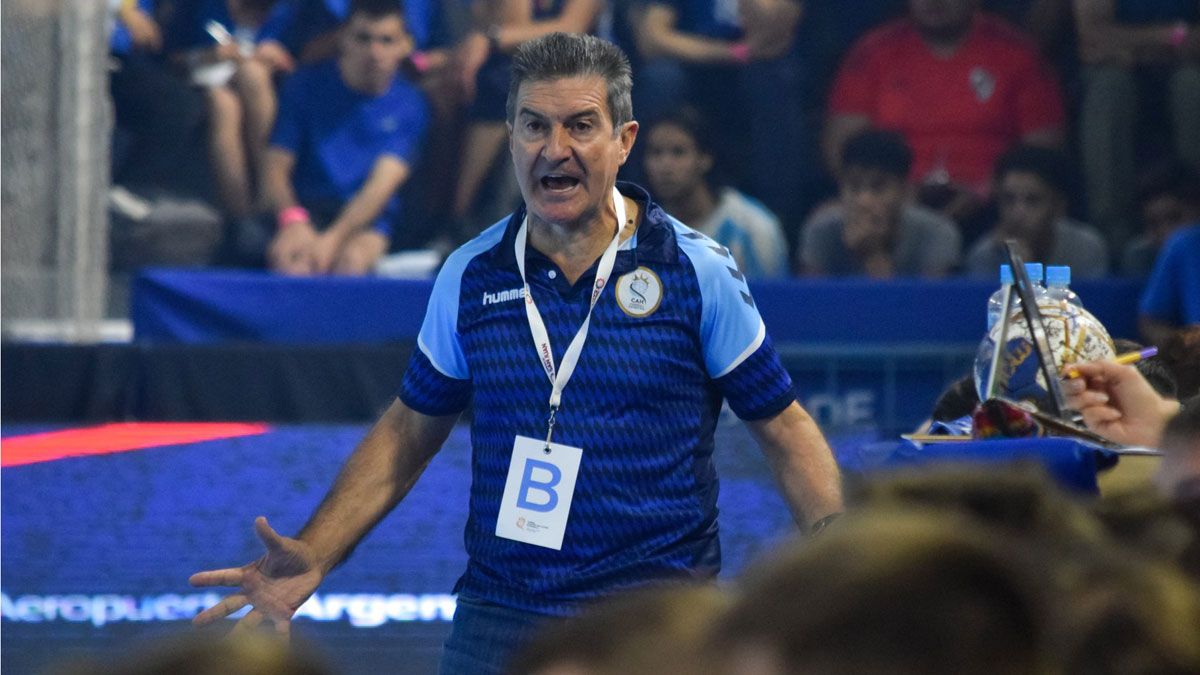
(362, 85)
(944, 43)
(574, 247)
(694, 207)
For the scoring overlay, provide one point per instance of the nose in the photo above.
(558, 145)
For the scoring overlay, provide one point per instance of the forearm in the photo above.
(380, 472)
(277, 180)
(687, 47)
(368, 203)
(803, 464)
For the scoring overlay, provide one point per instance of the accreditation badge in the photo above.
(538, 492)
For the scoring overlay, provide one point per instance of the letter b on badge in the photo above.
(538, 493)
(530, 483)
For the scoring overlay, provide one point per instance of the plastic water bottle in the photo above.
(995, 304)
(1058, 286)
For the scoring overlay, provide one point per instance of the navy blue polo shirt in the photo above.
(642, 404)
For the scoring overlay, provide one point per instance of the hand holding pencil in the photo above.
(1117, 402)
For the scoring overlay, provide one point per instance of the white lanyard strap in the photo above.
(537, 327)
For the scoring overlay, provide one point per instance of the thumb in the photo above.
(270, 538)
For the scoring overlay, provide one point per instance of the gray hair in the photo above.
(559, 55)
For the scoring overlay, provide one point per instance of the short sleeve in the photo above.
(737, 354)
(1161, 298)
(429, 392)
(405, 142)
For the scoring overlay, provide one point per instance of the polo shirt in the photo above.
(337, 134)
(957, 113)
(642, 404)
(1172, 294)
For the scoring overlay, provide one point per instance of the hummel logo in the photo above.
(503, 296)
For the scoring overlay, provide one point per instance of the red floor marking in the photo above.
(112, 438)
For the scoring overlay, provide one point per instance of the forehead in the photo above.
(856, 173)
(563, 97)
(390, 24)
(1024, 182)
(667, 133)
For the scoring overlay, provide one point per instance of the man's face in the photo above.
(372, 50)
(872, 195)
(942, 19)
(675, 165)
(564, 148)
(1028, 205)
(1163, 214)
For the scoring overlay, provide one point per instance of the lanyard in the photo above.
(559, 375)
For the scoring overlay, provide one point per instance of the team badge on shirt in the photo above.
(983, 82)
(639, 293)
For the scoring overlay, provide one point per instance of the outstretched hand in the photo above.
(274, 586)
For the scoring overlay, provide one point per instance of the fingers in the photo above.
(1098, 417)
(247, 623)
(231, 576)
(270, 538)
(283, 628)
(222, 609)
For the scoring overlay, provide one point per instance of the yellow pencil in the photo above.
(1123, 359)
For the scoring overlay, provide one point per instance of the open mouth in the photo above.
(555, 183)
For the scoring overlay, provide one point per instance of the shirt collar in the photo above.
(654, 240)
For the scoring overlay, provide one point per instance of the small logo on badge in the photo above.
(521, 522)
(639, 293)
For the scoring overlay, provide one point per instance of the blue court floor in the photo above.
(96, 550)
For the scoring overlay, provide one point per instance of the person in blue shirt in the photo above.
(595, 337)
(233, 50)
(1171, 300)
(347, 138)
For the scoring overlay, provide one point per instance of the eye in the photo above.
(533, 125)
(583, 126)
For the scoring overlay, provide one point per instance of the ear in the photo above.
(706, 162)
(626, 137)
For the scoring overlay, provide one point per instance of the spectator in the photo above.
(232, 49)
(1171, 301)
(739, 62)
(1121, 42)
(1033, 185)
(875, 229)
(960, 85)
(484, 56)
(347, 138)
(1168, 198)
(679, 167)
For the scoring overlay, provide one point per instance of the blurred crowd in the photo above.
(899, 138)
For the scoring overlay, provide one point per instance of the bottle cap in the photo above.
(1059, 275)
(1034, 270)
(1006, 276)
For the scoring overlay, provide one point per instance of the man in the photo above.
(603, 480)
(679, 167)
(875, 230)
(961, 86)
(1032, 189)
(346, 141)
